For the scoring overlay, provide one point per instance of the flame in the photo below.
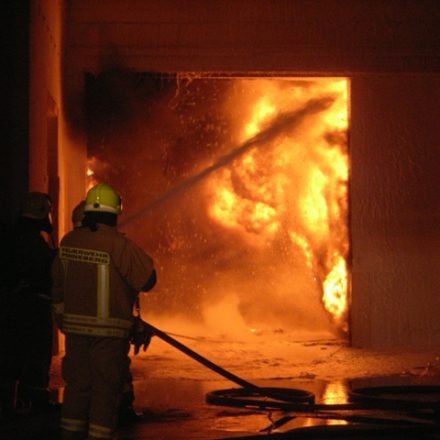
(93, 164)
(335, 289)
(90, 174)
(296, 187)
(313, 205)
(262, 110)
(304, 245)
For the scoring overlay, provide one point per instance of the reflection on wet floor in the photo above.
(172, 390)
(178, 410)
(183, 402)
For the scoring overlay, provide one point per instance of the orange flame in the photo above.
(335, 289)
(296, 187)
(90, 173)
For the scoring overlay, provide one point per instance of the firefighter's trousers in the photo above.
(94, 370)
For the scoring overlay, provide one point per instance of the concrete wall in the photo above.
(394, 140)
(395, 210)
(57, 156)
(257, 35)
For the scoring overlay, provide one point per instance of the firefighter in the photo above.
(97, 275)
(126, 411)
(26, 346)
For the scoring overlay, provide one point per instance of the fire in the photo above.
(90, 173)
(96, 169)
(305, 247)
(313, 205)
(295, 189)
(263, 109)
(335, 288)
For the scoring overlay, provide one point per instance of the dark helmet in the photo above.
(36, 205)
(78, 214)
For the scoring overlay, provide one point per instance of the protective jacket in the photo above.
(96, 279)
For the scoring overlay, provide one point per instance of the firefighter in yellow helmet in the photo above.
(97, 275)
(126, 412)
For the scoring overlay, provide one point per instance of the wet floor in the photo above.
(172, 390)
(179, 410)
(176, 409)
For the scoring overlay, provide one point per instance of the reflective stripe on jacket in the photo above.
(92, 325)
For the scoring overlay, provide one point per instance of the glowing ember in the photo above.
(296, 187)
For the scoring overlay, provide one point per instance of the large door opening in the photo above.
(238, 187)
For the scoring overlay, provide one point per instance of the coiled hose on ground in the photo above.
(372, 413)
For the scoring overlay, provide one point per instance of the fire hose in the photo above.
(283, 394)
(302, 401)
(411, 425)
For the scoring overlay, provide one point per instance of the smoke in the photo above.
(214, 313)
(171, 140)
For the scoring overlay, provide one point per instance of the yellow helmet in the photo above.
(36, 205)
(103, 198)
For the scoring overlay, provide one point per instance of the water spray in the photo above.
(281, 124)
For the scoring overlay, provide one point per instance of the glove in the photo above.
(141, 334)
